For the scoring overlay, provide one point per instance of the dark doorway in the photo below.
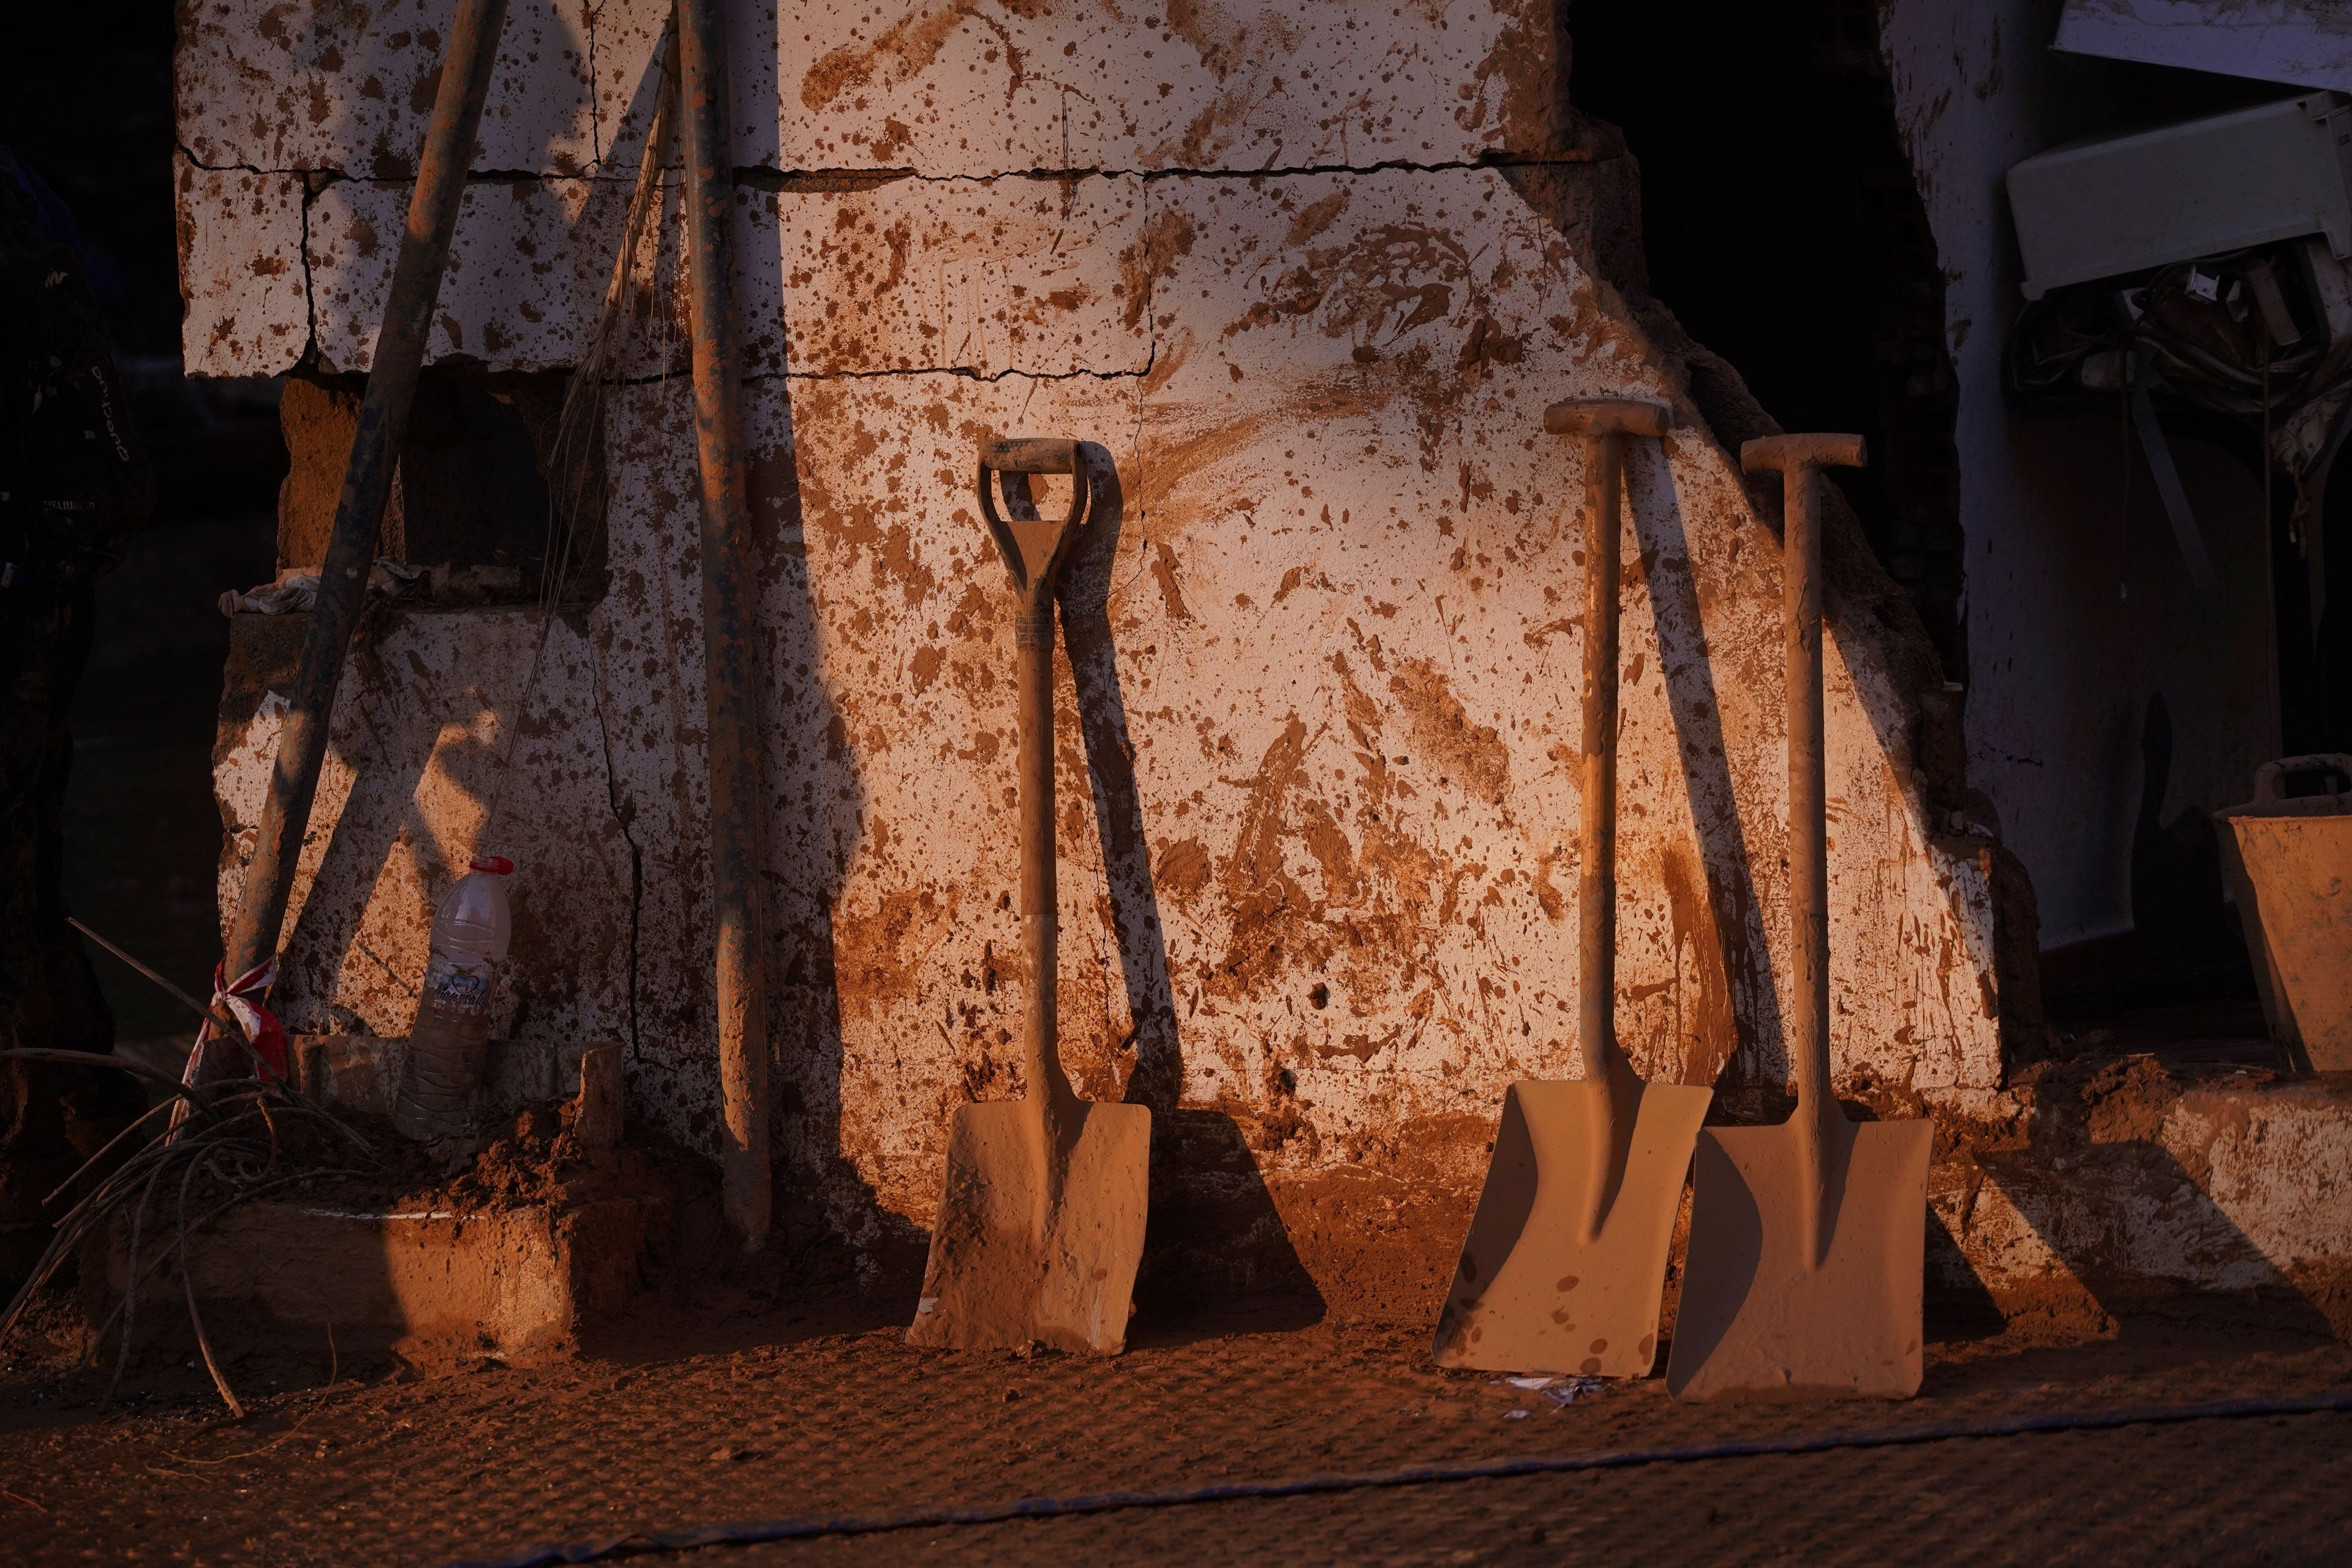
(1782, 227)
(86, 103)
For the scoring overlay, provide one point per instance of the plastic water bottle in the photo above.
(449, 1045)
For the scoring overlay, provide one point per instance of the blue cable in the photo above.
(1419, 1475)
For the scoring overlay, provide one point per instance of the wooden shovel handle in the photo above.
(1596, 895)
(1030, 455)
(1826, 1132)
(1606, 424)
(1032, 551)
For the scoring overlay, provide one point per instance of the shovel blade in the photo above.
(1758, 1319)
(1007, 1268)
(1533, 1291)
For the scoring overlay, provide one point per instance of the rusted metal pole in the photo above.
(367, 483)
(1823, 1127)
(730, 625)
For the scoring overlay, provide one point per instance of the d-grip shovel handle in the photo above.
(1034, 550)
(1828, 1135)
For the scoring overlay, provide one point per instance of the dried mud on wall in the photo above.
(1318, 694)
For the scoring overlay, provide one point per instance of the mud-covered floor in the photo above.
(705, 1413)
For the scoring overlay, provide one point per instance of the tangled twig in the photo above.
(216, 1143)
(188, 1285)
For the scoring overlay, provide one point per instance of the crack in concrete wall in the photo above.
(318, 181)
(621, 819)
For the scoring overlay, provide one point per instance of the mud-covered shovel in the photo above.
(1041, 1223)
(1566, 1258)
(1806, 1243)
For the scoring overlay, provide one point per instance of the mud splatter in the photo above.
(1167, 235)
(906, 49)
(1163, 572)
(1184, 870)
(1473, 753)
(1709, 1030)
(878, 957)
(1317, 216)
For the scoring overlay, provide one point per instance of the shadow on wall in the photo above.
(1739, 1006)
(1214, 1236)
(1831, 319)
(818, 815)
(813, 829)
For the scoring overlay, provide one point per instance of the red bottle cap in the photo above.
(496, 864)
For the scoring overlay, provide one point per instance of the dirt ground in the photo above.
(722, 1410)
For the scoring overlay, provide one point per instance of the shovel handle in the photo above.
(1799, 459)
(1033, 552)
(1030, 455)
(1606, 425)
(1596, 893)
(1032, 549)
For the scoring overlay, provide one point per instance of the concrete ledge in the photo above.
(520, 1283)
(2110, 1189)
(428, 1275)
(363, 1071)
(2088, 1193)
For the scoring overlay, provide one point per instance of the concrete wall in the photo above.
(1317, 754)
(2060, 663)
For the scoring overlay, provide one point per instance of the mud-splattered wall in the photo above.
(1307, 279)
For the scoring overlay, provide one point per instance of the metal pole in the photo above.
(729, 625)
(367, 483)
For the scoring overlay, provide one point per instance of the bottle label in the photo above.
(454, 988)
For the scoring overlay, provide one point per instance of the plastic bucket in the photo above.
(2290, 863)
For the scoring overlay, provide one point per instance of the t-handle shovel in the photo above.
(1566, 1259)
(1041, 1221)
(1807, 1240)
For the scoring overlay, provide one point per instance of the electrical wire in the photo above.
(809, 1528)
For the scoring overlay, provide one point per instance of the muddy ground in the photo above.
(731, 1406)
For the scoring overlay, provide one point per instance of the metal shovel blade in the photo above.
(1539, 1289)
(1760, 1320)
(1013, 1266)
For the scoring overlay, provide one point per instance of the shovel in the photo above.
(1041, 1222)
(1567, 1253)
(1806, 1242)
